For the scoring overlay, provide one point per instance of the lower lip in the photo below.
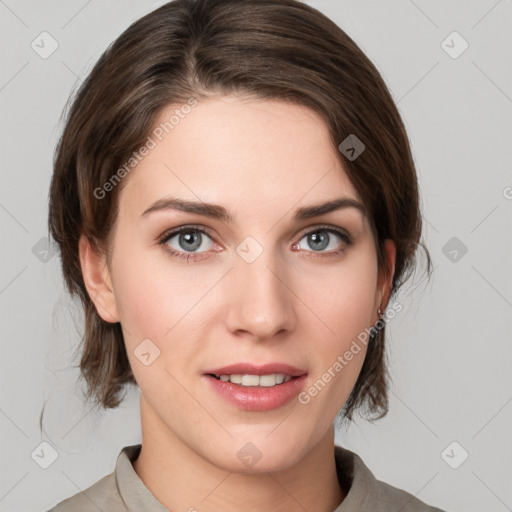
(258, 398)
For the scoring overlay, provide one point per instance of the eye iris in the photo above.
(322, 239)
(192, 238)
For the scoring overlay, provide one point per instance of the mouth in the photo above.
(257, 388)
(248, 374)
(268, 380)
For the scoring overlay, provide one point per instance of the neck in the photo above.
(181, 479)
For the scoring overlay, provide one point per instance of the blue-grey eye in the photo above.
(323, 239)
(188, 240)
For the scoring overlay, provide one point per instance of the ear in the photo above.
(98, 281)
(386, 279)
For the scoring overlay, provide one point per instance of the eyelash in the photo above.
(184, 255)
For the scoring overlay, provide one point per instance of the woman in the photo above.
(236, 204)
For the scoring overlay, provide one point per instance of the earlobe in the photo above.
(98, 281)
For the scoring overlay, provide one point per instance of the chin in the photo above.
(257, 456)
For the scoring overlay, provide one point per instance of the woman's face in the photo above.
(266, 287)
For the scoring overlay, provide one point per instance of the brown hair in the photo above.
(269, 49)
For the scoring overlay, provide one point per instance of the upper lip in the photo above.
(252, 369)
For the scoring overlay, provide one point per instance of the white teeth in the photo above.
(250, 380)
(257, 380)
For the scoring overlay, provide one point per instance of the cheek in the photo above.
(345, 307)
(149, 295)
(351, 303)
(344, 296)
(159, 301)
(145, 297)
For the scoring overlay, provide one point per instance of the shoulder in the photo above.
(367, 494)
(102, 495)
(120, 491)
(111, 492)
(387, 496)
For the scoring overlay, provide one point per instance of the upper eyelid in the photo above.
(175, 231)
(327, 227)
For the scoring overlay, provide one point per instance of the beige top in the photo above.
(123, 490)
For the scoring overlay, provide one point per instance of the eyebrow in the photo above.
(215, 211)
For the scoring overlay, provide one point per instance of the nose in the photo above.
(260, 298)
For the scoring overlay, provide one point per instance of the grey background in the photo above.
(449, 349)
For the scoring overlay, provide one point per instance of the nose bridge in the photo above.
(261, 302)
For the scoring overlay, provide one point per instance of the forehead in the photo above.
(256, 157)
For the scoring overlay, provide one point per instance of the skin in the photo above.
(261, 160)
